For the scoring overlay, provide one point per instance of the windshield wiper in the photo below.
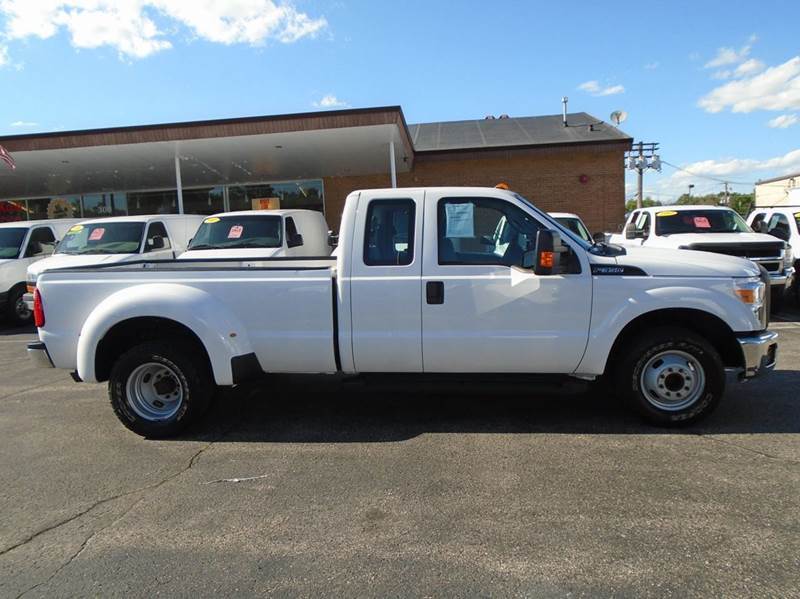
(203, 246)
(250, 244)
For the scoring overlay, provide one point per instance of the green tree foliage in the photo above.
(647, 203)
(741, 202)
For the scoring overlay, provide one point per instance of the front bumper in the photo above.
(28, 299)
(37, 352)
(760, 352)
(783, 279)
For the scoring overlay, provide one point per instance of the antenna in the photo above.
(618, 116)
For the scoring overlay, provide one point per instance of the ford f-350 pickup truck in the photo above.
(423, 283)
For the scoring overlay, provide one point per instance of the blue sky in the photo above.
(705, 79)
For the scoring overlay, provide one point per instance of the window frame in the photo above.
(474, 199)
(411, 230)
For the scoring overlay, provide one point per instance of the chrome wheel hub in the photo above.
(672, 380)
(154, 391)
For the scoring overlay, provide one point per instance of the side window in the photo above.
(779, 222)
(293, 239)
(643, 223)
(157, 238)
(389, 235)
(41, 243)
(759, 218)
(484, 231)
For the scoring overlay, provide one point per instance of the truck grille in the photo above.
(767, 254)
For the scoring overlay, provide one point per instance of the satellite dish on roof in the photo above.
(618, 116)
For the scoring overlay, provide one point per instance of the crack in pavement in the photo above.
(143, 490)
(758, 452)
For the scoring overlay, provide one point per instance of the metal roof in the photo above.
(513, 132)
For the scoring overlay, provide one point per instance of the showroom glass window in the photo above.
(294, 194)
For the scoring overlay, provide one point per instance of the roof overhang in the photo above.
(285, 147)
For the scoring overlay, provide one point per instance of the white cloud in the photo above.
(139, 28)
(729, 56)
(736, 169)
(594, 88)
(776, 88)
(24, 124)
(749, 67)
(331, 101)
(652, 66)
(3, 55)
(783, 121)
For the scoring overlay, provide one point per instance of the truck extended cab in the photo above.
(710, 229)
(421, 285)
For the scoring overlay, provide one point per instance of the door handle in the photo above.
(434, 292)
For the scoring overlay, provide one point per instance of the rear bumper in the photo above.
(37, 353)
(760, 352)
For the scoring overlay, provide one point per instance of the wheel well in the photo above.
(712, 328)
(129, 333)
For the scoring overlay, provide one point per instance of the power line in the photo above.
(710, 177)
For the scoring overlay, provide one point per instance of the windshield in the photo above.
(238, 231)
(554, 223)
(669, 222)
(103, 238)
(10, 241)
(576, 226)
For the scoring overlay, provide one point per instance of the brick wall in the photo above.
(549, 177)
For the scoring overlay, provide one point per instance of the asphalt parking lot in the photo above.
(323, 489)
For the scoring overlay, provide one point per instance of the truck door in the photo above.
(385, 282)
(481, 311)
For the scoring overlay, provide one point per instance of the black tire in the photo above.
(188, 373)
(15, 315)
(646, 351)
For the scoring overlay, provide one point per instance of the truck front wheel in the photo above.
(158, 388)
(671, 376)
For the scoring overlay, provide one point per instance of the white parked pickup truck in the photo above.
(420, 285)
(23, 244)
(117, 239)
(710, 229)
(260, 234)
(782, 222)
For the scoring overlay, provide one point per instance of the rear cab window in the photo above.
(389, 232)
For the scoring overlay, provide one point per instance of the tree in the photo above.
(741, 202)
(648, 202)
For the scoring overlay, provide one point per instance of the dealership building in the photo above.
(571, 163)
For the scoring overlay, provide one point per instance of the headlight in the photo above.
(750, 291)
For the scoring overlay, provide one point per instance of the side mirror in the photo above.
(631, 232)
(544, 257)
(294, 240)
(599, 237)
(156, 243)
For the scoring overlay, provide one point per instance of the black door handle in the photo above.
(434, 292)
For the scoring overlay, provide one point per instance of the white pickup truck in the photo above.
(710, 229)
(420, 285)
(782, 222)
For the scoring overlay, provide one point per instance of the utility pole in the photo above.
(642, 157)
(727, 195)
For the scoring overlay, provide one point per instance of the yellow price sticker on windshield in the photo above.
(211, 220)
(75, 229)
(666, 213)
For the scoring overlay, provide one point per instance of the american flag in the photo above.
(6, 157)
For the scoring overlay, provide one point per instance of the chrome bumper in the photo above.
(28, 299)
(37, 352)
(760, 352)
(785, 278)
